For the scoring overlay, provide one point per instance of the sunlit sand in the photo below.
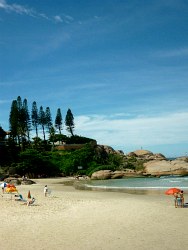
(73, 219)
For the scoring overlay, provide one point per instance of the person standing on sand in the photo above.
(182, 198)
(176, 199)
(45, 190)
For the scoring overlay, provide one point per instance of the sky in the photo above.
(120, 66)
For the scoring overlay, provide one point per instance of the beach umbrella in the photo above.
(29, 195)
(3, 185)
(172, 191)
(10, 188)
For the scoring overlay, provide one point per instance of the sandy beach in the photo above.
(73, 219)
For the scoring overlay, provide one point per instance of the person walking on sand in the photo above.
(45, 190)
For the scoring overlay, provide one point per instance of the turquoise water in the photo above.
(140, 183)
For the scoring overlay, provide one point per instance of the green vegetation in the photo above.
(20, 154)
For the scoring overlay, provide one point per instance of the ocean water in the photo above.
(142, 184)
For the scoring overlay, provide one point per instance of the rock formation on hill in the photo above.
(153, 165)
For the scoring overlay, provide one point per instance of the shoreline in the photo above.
(72, 219)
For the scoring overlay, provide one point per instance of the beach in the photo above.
(72, 219)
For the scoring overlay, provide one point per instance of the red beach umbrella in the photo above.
(172, 191)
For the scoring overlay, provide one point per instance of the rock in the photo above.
(27, 182)
(12, 180)
(131, 154)
(19, 181)
(146, 155)
(142, 152)
(164, 167)
(101, 175)
(119, 152)
(117, 174)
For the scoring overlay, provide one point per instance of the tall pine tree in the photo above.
(27, 120)
(35, 117)
(48, 119)
(13, 121)
(58, 120)
(69, 122)
(42, 120)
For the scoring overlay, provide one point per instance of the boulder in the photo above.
(164, 167)
(101, 175)
(117, 174)
(146, 155)
(142, 152)
(12, 180)
(28, 182)
(18, 181)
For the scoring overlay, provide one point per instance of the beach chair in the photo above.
(31, 202)
(19, 197)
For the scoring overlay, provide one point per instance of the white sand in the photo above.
(87, 220)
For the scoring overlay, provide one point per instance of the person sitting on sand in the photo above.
(30, 202)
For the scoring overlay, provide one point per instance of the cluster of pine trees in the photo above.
(20, 154)
(22, 122)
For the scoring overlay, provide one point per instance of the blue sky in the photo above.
(120, 66)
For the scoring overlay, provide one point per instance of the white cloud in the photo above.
(58, 19)
(22, 10)
(19, 9)
(138, 132)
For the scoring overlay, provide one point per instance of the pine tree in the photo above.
(58, 120)
(42, 120)
(13, 121)
(69, 122)
(48, 119)
(27, 120)
(35, 117)
(2, 134)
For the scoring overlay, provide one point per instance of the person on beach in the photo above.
(3, 187)
(45, 190)
(176, 199)
(182, 198)
(30, 201)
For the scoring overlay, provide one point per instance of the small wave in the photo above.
(141, 188)
(174, 181)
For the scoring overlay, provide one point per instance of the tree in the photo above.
(2, 134)
(48, 119)
(35, 117)
(69, 122)
(26, 119)
(52, 136)
(13, 121)
(23, 120)
(58, 120)
(42, 120)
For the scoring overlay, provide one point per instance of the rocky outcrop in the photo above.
(101, 175)
(150, 164)
(165, 167)
(108, 174)
(12, 180)
(18, 181)
(104, 149)
(146, 155)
